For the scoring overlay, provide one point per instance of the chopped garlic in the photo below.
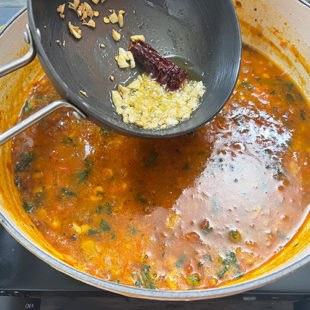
(106, 20)
(135, 84)
(116, 35)
(152, 107)
(61, 10)
(74, 5)
(123, 54)
(121, 62)
(84, 10)
(123, 89)
(75, 31)
(120, 20)
(122, 58)
(84, 93)
(132, 60)
(137, 38)
(117, 98)
(91, 23)
(113, 18)
(88, 9)
(81, 12)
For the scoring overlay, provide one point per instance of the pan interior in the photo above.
(204, 33)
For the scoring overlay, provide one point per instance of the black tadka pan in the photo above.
(203, 33)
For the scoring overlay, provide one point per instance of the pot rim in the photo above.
(132, 291)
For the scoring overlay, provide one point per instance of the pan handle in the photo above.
(22, 61)
(34, 118)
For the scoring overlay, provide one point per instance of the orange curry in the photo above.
(185, 213)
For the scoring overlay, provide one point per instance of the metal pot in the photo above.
(265, 24)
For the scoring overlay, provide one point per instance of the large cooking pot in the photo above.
(265, 24)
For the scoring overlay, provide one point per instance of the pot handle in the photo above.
(34, 118)
(305, 2)
(22, 61)
(37, 116)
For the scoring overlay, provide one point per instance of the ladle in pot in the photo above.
(205, 33)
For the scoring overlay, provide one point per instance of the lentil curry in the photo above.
(190, 212)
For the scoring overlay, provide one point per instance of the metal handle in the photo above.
(305, 2)
(34, 118)
(22, 61)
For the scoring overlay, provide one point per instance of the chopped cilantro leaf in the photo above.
(28, 207)
(194, 280)
(152, 159)
(68, 193)
(141, 199)
(25, 159)
(92, 232)
(104, 225)
(179, 263)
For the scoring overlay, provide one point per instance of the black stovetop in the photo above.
(26, 282)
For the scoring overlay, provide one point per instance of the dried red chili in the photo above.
(163, 70)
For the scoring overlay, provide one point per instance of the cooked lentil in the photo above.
(192, 212)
